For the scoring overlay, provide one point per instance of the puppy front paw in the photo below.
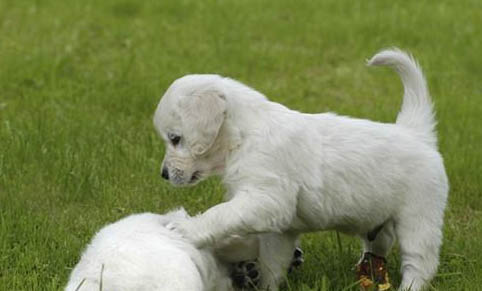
(188, 230)
(246, 275)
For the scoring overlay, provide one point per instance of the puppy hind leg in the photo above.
(298, 258)
(420, 240)
(372, 268)
(381, 242)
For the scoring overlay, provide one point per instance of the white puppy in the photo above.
(140, 253)
(288, 172)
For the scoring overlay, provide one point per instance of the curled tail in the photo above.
(417, 108)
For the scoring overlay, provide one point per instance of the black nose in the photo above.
(165, 173)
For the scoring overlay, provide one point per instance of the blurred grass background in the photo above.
(80, 80)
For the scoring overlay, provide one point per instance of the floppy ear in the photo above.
(202, 117)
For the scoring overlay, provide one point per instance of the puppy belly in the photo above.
(350, 218)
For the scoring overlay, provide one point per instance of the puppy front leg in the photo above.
(275, 256)
(247, 213)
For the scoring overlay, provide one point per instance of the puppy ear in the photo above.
(202, 116)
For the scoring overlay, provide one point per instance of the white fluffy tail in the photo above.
(417, 108)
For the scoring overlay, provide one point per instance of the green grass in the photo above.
(80, 80)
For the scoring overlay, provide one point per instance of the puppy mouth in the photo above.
(196, 176)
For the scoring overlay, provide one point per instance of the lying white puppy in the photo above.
(288, 172)
(140, 253)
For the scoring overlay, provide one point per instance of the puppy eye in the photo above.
(174, 138)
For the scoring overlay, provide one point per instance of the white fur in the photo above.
(140, 253)
(288, 172)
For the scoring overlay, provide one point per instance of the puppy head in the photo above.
(189, 118)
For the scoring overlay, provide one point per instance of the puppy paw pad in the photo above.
(245, 275)
(298, 259)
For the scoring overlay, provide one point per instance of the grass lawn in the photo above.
(80, 80)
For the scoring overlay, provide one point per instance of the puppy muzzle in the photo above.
(178, 177)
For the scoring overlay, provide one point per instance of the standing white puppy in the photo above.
(288, 172)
